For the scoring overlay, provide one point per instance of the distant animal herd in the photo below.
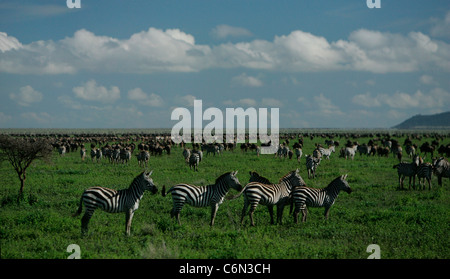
(289, 190)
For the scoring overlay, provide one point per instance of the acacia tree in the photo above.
(21, 152)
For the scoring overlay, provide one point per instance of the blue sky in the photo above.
(128, 64)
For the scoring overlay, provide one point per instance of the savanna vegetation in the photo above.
(404, 223)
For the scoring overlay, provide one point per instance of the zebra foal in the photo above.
(325, 197)
(269, 194)
(115, 201)
(202, 196)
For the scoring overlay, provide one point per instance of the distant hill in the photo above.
(434, 121)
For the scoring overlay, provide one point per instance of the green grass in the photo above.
(404, 223)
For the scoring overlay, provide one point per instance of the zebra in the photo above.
(194, 160)
(83, 153)
(326, 152)
(311, 165)
(201, 196)
(298, 153)
(441, 168)
(255, 177)
(425, 171)
(408, 169)
(269, 194)
(115, 201)
(125, 155)
(143, 157)
(350, 152)
(186, 154)
(312, 197)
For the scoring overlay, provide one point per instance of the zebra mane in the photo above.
(288, 174)
(222, 176)
(339, 178)
(261, 178)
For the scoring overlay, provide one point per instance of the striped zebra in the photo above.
(311, 165)
(269, 194)
(201, 196)
(298, 153)
(350, 152)
(326, 152)
(425, 171)
(312, 197)
(441, 169)
(194, 160)
(115, 201)
(405, 169)
(186, 154)
(143, 157)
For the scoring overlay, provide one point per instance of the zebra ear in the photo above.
(297, 170)
(235, 173)
(344, 177)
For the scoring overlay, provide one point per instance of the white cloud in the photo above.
(245, 80)
(441, 27)
(325, 106)
(271, 102)
(26, 96)
(8, 42)
(434, 99)
(172, 50)
(225, 31)
(426, 79)
(143, 98)
(90, 91)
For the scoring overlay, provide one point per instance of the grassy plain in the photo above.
(404, 223)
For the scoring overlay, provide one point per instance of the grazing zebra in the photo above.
(298, 153)
(202, 196)
(325, 197)
(194, 160)
(311, 165)
(326, 152)
(269, 194)
(115, 201)
(143, 157)
(410, 150)
(425, 171)
(407, 169)
(441, 169)
(125, 155)
(186, 154)
(350, 152)
(364, 149)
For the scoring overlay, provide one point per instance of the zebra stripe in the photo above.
(202, 196)
(269, 194)
(326, 152)
(311, 165)
(194, 160)
(325, 197)
(425, 171)
(405, 169)
(115, 201)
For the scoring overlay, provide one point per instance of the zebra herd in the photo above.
(291, 189)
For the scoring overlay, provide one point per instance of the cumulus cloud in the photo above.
(90, 91)
(172, 50)
(441, 27)
(435, 98)
(225, 31)
(26, 96)
(143, 98)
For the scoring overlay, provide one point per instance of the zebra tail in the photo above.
(236, 196)
(163, 191)
(80, 209)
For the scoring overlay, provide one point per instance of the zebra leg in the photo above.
(304, 214)
(128, 217)
(244, 210)
(214, 208)
(280, 208)
(252, 210)
(85, 221)
(270, 208)
(327, 211)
